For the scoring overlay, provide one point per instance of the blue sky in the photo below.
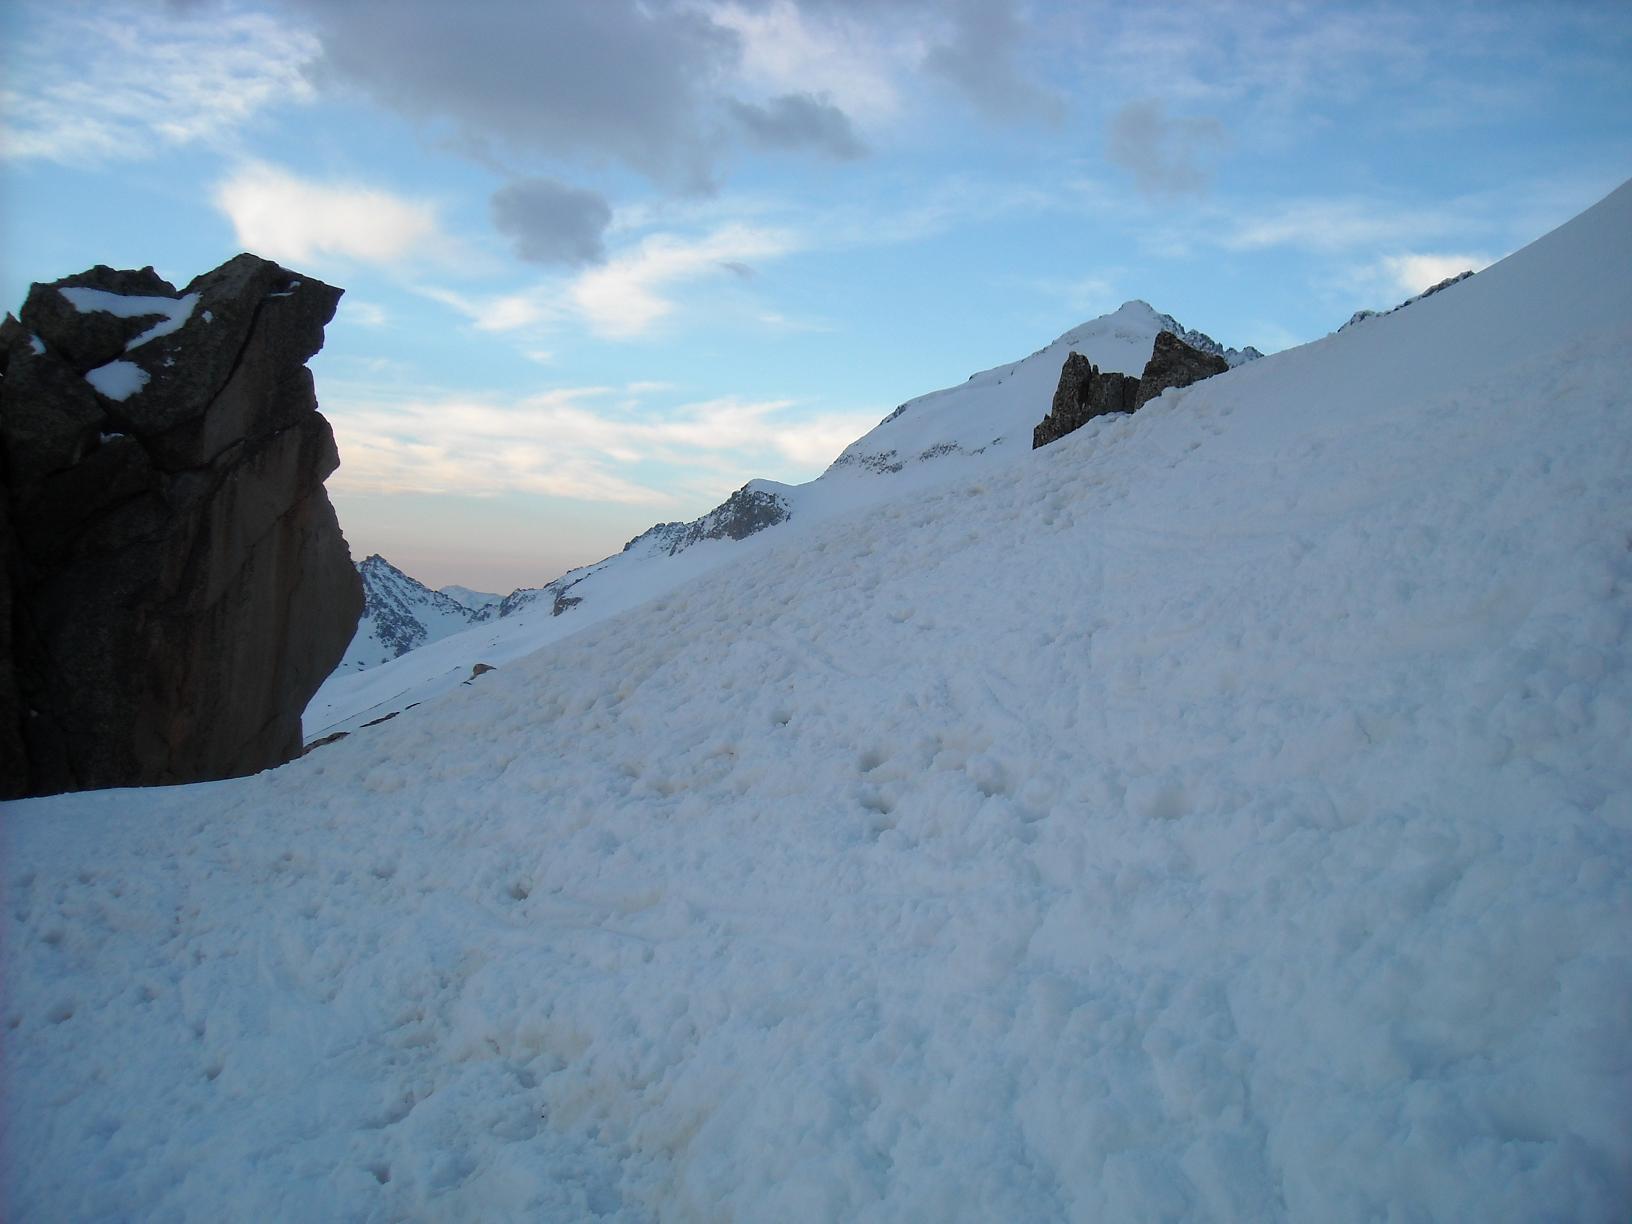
(606, 261)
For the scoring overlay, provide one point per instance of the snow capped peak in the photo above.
(1137, 311)
(997, 408)
(400, 614)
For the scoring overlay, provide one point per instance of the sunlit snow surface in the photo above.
(1223, 813)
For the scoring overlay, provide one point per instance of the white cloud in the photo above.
(1332, 225)
(1412, 273)
(1385, 281)
(501, 312)
(711, 247)
(856, 63)
(113, 82)
(293, 220)
(776, 321)
(361, 313)
(600, 444)
(626, 296)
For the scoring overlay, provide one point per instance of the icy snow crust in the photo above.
(1221, 813)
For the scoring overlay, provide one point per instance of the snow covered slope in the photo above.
(925, 442)
(1223, 813)
(400, 614)
(474, 600)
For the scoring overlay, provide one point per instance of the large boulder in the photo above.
(177, 582)
(1084, 392)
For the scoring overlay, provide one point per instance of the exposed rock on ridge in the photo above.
(1360, 316)
(745, 512)
(1085, 393)
(175, 583)
(1173, 363)
(1206, 344)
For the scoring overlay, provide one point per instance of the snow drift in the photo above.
(1224, 812)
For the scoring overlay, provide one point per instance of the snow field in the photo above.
(1223, 813)
(926, 442)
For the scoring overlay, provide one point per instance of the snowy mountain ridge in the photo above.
(474, 600)
(921, 444)
(757, 505)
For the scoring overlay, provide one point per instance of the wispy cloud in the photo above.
(284, 217)
(593, 443)
(630, 293)
(523, 310)
(1329, 225)
(361, 313)
(689, 249)
(116, 82)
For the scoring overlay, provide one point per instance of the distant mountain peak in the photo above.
(400, 614)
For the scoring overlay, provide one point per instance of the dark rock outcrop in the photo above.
(1173, 363)
(174, 583)
(1084, 392)
(746, 512)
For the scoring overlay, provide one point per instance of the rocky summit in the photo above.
(1085, 392)
(175, 584)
